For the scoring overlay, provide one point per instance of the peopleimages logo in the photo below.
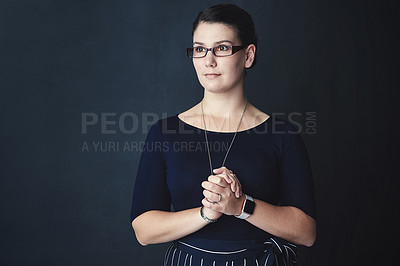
(130, 123)
(107, 124)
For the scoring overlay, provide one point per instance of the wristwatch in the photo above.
(248, 208)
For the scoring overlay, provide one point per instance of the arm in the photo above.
(286, 222)
(296, 189)
(151, 218)
(154, 227)
(157, 226)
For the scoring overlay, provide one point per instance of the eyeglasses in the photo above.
(220, 51)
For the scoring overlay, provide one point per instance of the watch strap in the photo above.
(245, 215)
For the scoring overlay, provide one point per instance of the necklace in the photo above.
(233, 139)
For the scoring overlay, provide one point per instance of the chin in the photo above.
(214, 88)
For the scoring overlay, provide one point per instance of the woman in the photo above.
(257, 206)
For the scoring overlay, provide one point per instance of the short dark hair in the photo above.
(233, 16)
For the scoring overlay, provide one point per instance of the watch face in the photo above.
(249, 207)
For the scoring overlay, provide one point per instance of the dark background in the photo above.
(64, 205)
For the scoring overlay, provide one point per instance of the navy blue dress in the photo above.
(271, 162)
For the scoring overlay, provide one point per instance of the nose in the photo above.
(210, 59)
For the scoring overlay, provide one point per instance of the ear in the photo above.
(250, 55)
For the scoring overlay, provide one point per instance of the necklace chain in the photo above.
(233, 139)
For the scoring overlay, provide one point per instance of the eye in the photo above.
(199, 49)
(223, 48)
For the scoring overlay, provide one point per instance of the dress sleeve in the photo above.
(151, 191)
(296, 188)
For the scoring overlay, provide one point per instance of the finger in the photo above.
(233, 186)
(220, 170)
(212, 187)
(234, 182)
(238, 186)
(211, 196)
(218, 180)
(212, 206)
(239, 190)
(227, 178)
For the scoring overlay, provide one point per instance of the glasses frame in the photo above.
(235, 48)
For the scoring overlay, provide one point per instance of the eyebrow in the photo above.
(219, 42)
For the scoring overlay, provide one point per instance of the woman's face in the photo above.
(218, 74)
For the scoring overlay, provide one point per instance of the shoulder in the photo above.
(254, 117)
(164, 125)
(168, 120)
(290, 137)
(191, 116)
(280, 125)
(279, 131)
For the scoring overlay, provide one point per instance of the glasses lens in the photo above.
(223, 50)
(199, 51)
(189, 52)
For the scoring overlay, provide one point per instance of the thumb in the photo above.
(219, 170)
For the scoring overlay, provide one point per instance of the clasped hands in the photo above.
(222, 194)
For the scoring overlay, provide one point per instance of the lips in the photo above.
(212, 75)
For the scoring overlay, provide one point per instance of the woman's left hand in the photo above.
(227, 202)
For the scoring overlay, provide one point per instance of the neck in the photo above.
(224, 105)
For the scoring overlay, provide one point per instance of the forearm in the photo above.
(154, 227)
(286, 222)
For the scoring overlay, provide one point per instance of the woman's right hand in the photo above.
(211, 214)
(228, 179)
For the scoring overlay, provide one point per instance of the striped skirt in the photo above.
(205, 252)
